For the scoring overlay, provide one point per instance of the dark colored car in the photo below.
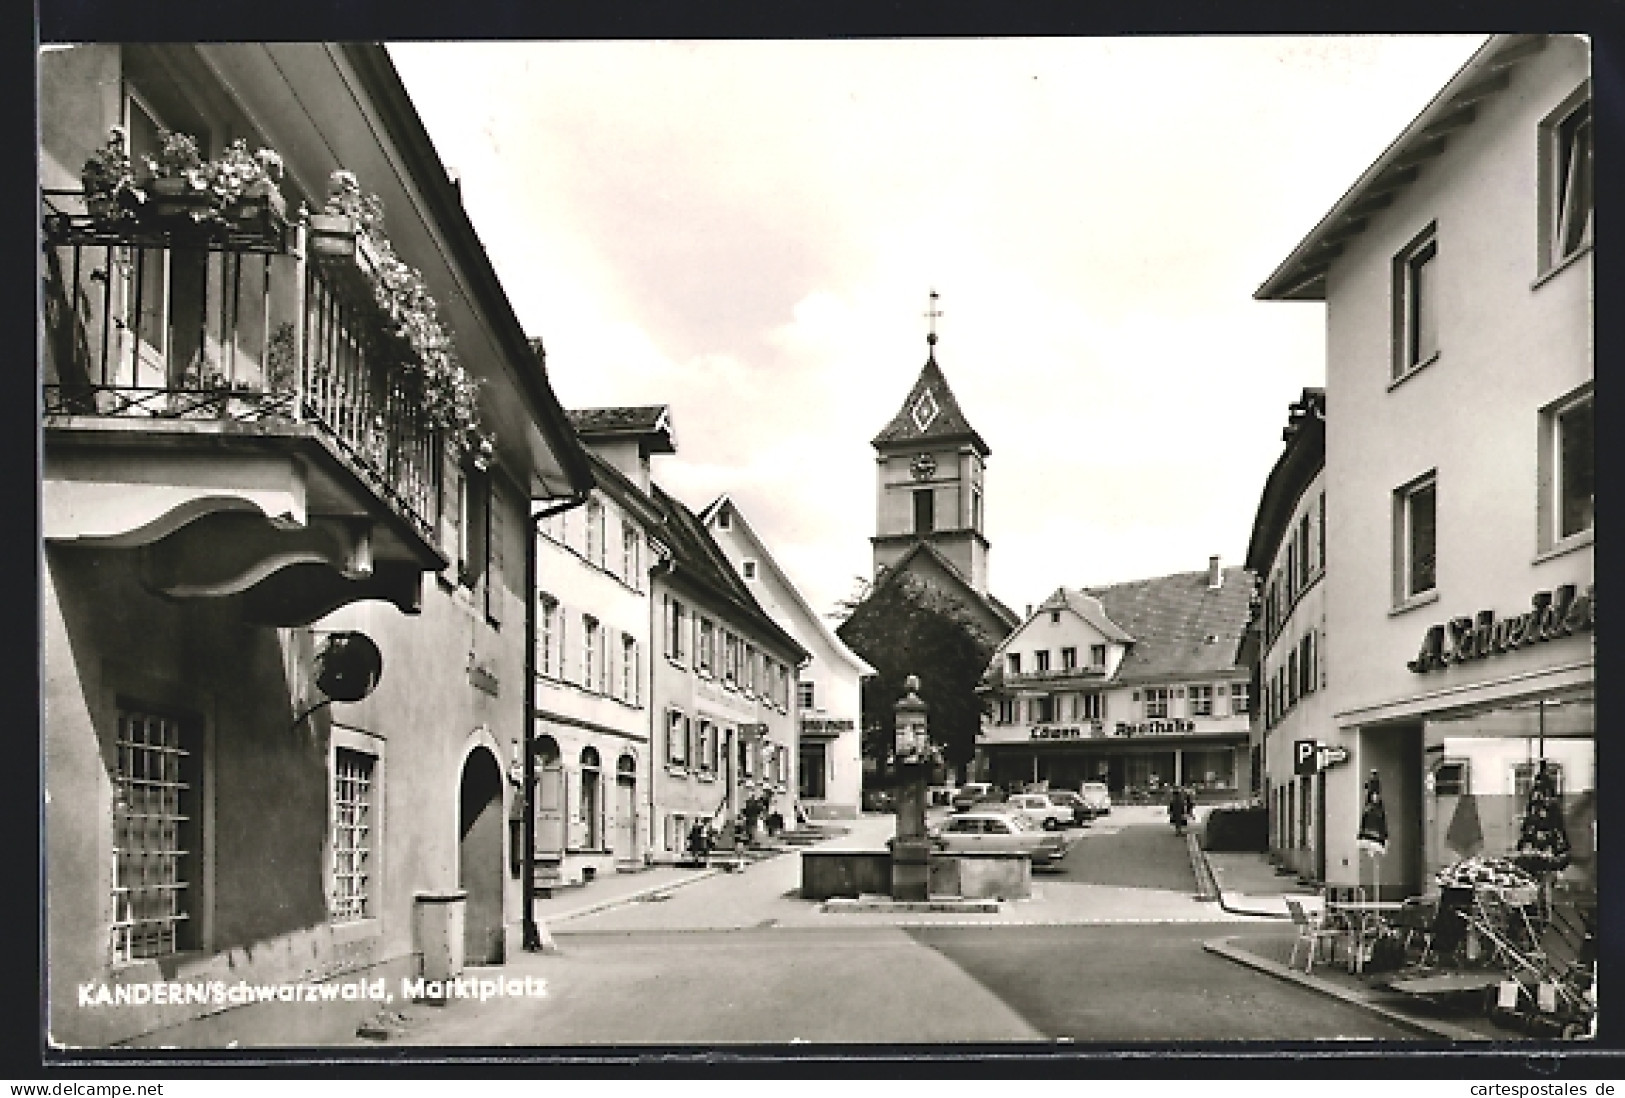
(972, 794)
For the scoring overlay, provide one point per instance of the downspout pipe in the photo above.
(530, 933)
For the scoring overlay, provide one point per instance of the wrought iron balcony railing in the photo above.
(230, 324)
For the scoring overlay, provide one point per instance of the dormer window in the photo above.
(748, 569)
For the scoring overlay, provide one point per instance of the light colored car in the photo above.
(1081, 812)
(1097, 797)
(1037, 808)
(997, 832)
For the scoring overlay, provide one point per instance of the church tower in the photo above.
(929, 464)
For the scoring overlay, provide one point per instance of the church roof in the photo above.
(998, 610)
(1180, 625)
(929, 414)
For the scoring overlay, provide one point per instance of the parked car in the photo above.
(998, 832)
(972, 794)
(1038, 809)
(939, 795)
(1081, 812)
(1097, 797)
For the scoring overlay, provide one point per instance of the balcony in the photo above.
(247, 391)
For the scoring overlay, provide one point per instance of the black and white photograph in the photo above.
(921, 543)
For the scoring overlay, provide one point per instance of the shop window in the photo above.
(1566, 180)
(1451, 778)
(157, 836)
(1415, 538)
(1416, 306)
(1523, 778)
(1567, 473)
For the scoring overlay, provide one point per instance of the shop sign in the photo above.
(1155, 728)
(825, 724)
(1553, 614)
(1067, 732)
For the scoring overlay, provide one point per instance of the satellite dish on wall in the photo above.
(348, 666)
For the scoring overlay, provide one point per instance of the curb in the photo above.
(1207, 885)
(1444, 1030)
(628, 898)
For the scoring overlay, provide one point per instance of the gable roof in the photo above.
(1089, 609)
(1302, 275)
(698, 559)
(1171, 619)
(946, 424)
(765, 559)
(1000, 612)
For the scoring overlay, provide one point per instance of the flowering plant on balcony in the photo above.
(108, 177)
(448, 394)
(236, 176)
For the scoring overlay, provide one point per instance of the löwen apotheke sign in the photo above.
(1553, 614)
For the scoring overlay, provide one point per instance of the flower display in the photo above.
(1482, 871)
(447, 392)
(109, 179)
(116, 192)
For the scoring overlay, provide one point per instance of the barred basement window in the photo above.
(156, 838)
(353, 838)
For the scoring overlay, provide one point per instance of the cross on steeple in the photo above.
(931, 315)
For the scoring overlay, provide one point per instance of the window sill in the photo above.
(1412, 371)
(1566, 546)
(677, 662)
(1561, 265)
(676, 770)
(355, 930)
(706, 777)
(1414, 601)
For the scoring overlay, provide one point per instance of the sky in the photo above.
(747, 232)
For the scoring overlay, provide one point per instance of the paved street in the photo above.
(1108, 950)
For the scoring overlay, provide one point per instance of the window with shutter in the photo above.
(451, 507)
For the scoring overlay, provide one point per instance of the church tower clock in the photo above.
(929, 464)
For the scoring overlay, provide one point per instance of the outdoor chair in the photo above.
(1416, 920)
(1311, 932)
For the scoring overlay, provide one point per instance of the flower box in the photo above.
(259, 211)
(345, 254)
(174, 199)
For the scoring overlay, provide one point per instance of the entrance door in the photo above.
(479, 858)
(626, 802)
(812, 770)
(549, 799)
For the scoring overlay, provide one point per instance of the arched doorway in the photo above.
(592, 801)
(549, 800)
(479, 857)
(626, 812)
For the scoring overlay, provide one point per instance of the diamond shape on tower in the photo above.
(929, 412)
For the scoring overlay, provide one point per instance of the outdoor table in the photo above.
(1364, 918)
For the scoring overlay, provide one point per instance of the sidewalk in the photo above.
(1247, 884)
(1460, 1018)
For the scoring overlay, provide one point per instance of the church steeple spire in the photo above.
(931, 315)
(929, 413)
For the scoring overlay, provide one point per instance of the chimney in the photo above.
(1029, 612)
(1215, 578)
